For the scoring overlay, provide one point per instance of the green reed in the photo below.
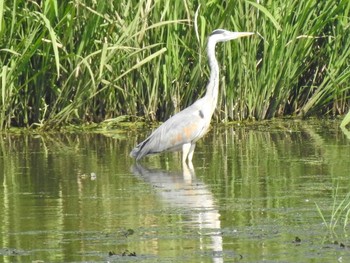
(340, 213)
(86, 61)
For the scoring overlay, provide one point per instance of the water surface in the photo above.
(251, 197)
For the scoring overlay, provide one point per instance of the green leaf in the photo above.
(267, 13)
(53, 41)
(346, 120)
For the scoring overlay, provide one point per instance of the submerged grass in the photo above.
(87, 61)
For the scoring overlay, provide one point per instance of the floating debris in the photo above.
(126, 253)
(93, 176)
(128, 232)
(297, 240)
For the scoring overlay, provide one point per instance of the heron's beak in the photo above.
(243, 34)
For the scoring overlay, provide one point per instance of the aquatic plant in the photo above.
(86, 61)
(346, 120)
(340, 212)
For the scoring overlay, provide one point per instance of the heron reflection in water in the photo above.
(184, 129)
(192, 198)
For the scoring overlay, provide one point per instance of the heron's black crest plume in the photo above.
(217, 32)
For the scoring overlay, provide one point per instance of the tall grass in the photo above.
(302, 60)
(86, 61)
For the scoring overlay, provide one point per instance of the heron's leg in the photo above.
(190, 153)
(185, 151)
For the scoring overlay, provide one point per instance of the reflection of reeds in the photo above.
(68, 61)
(253, 175)
(44, 186)
(274, 163)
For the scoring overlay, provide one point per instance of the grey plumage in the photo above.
(184, 129)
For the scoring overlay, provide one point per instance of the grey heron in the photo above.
(181, 131)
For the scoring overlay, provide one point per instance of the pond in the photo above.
(257, 193)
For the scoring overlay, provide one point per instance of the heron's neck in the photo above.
(213, 84)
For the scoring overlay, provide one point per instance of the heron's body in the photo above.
(184, 129)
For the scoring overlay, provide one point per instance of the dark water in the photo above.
(251, 197)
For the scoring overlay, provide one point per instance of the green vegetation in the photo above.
(340, 212)
(86, 61)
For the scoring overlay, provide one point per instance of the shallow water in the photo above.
(251, 197)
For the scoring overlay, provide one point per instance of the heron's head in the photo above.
(221, 35)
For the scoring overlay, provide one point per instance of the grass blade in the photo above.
(53, 41)
(267, 13)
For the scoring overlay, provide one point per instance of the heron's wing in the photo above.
(184, 127)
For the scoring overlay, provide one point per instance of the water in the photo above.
(250, 198)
